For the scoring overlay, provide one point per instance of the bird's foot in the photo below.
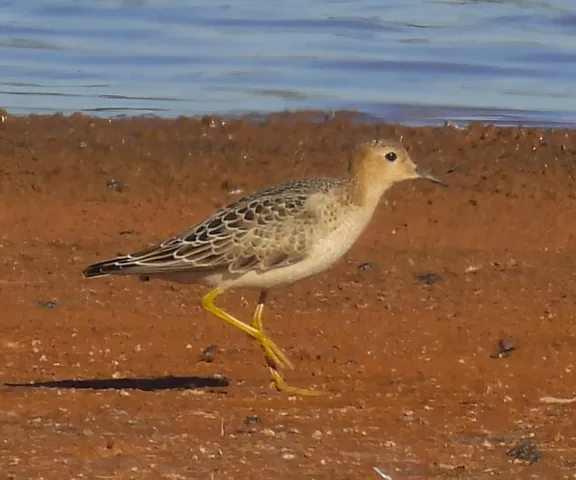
(282, 386)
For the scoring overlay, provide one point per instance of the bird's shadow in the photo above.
(144, 384)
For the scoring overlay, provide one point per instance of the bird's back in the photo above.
(272, 228)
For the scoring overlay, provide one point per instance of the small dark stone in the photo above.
(116, 185)
(127, 232)
(47, 304)
(503, 349)
(208, 354)
(351, 362)
(251, 420)
(525, 451)
(365, 266)
(428, 278)
(144, 278)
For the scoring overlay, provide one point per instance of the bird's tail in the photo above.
(155, 259)
(116, 266)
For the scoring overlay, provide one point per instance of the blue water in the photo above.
(413, 61)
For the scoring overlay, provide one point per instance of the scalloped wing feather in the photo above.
(259, 232)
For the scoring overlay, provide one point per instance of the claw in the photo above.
(282, 386)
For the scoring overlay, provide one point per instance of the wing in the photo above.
(258, 232)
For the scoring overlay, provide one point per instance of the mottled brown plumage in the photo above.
(274, 237)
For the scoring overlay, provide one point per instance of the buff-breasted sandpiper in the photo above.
(274, 238)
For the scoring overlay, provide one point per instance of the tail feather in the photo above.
(128, 265)
(109, 267)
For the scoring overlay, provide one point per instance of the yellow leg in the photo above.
(273, 354)
(258, 325)
(277, 378)
(282, 386)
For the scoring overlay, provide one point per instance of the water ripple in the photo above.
(417, 61)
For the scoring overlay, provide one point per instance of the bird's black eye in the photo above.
(391, 156)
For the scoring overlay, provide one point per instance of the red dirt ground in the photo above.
(108, 382)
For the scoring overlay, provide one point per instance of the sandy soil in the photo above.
(105, 379)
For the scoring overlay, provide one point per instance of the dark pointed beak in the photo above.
(432, 178)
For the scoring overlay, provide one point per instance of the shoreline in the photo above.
(406, 115)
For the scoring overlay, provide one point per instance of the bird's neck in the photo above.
(365, 188)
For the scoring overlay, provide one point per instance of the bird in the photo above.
(274, 238)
